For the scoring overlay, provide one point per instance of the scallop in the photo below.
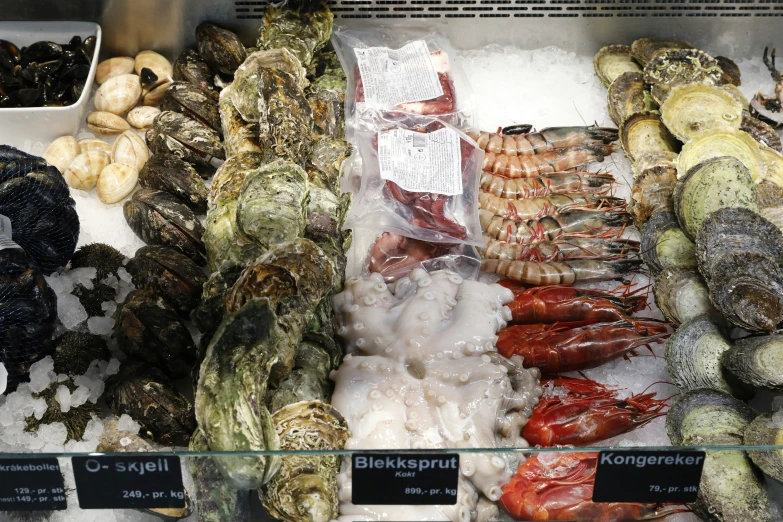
(116, 182)
(653, 186)
(713, 143)
(735, 93)
(773, 166)
(84, 170)
(679, 67)
(644, 133)
(143, 117)
(757, 361)
(94, 144)
(682, 295)
(612, 61)
(766, 430)
(113, 67)
(106, 123)
(62, 152)
(155, 62)
(731, 72)
(119, 94)
(690, 109)
(645, 49)
(627, 95)
(665, 245)
(130, 149)
(761, 131)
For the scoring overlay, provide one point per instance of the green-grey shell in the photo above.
(757, 361)
(766, 430)
(681, 295)
(708, 414)
(303, 28)
(665, 245)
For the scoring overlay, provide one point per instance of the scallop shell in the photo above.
(653, 187)
(693, 108)
(142, 117)
(709, 186)
(627, 96)
(106, 123)
(645, 49)
(130, 149)
(155, 62)
(773, 166)
(113, 67)
(116, 182)
(761, 131)
(731, 72)
(94, 144)
(682, 295)
(665, 245)
(84, 170)
(612, 61)
(757, 361)
(678, 67)
(766, 430)
(735, 93)
(644, 133)
(119, 94)
(713, 143)
(62, 152)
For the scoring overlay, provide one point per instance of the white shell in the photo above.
(113, 67)
(84, 170)
(106, 123)
(130, 149)
(116, 182)
(142, 117)
(154, 96)
(94, 144)
(119, 94)
(62, 152)
(155, 62)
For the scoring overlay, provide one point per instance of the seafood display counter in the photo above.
(399, 261)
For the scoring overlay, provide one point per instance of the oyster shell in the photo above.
(160, 219)
(739, 255)
(613, 61)
(773, 166)
(220, 48)
(301, 27)
(224, 242)
(674, 67)
(709, 186)
(757, 361)
(713, 143)
(645, 49)
(116, 182)
(238, 136)
(178, 279)
(693, 108)
(190, 68)
(644, 133)
(327, 158)
(653, 186)
(665, 245)
(210, 311)
(766, 430)
(170, 174)
(628, 95)
(177, 134)
(731, 72)
(328, 108)
(191, 101)
(151, 399)
(308, 381)
(682, 295)
(61, 152)
(760, 131)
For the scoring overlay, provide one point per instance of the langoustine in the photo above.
(554, 183)
(567, 223)
(518, 209)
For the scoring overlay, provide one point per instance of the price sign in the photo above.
(414, 479)
(117, 482)
(648, 476)
(31, 485)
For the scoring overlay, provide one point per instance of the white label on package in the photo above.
(5, 234)
(420, 162)
(391, 77)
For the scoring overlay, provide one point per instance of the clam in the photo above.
(62, 152)
(612, 61)
(130, 149)
(644, 133)
(665, 245)
(190, 140)
(153, 95)
(709, 186)
(190, 68)
(653, 186)
(690, 109)
(116, 182)
(645, 49)
(170, 174)
(106, 123)
(757, 361)
(143, 117)
(113, 67)
(682, 295)
(155, 62)
(761, 131)
(119, 94)
(84, 170)
(731, 72)
(674, 67)
(160, 219)
(739, 254)
(187, 99)
(693, 357)
(627, 96)
(766, 430)
(220, 48)
(94, 144)
(713, 143)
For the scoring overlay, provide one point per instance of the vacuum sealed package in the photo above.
(420, 179)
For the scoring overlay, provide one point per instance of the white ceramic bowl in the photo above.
(22, 127)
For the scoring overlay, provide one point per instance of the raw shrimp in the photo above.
(603, 223)
(561, 249)
(555, 183)
(541, 273)
(518, 209)
(527, 144)
(570, 349)
(555, 160)
(589, 412)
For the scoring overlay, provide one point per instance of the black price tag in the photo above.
(117, 482)
(648, 476)
(415, 479)
(31, 485)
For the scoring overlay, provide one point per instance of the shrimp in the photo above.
(541, 273)
(518, 209)
(560, 250)
(559, 486)
(555, 160)
(528, 144)
(589, 412)
(558, 350)
(555, 183)
(603, 223)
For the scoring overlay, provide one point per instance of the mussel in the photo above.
(757, 361)
(169, 173)
(674, 67)
(192, 141)
(766, 430)
(191, 101)
(692, 108)
(644, 133)
(682, 295)
(613, 61)
(190, 68)
(665, 245)
(220, 48)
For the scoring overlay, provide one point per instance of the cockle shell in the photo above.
(62, 152)
(155, 62)
(94, 144)
(102, 122)
(84, 170)
(142, 117)
(113, 67)
(130, 149)
(119, 94)
(116, 182)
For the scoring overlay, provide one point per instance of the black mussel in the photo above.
(75, 72)
(148, 328)
(192, 141)
(148, 78)
(9, 81)
(28, 97)
(189, 67)
(33, 75)
(41, 52)
(49, 67)
(187, 99)
(517, 129)
(9, 55)
(169, 173)
(86, 50)
(220, 48)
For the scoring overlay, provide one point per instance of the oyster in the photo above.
(148, 327)
(168, 173)
(713, 143)
(210, 311)
(220, 48)
(665, 245)
(190, 140)
(628, 95)
(151, 399)
(328, 108)
(760, 131)
(305, 490)
(766, 430)
(613, 61)
(300, 26)
(187, 99)
(224, 242)
(681, 295)
(238, 136)
(731, 72)
(757, 361)
(653, 186)
(160, 219)
(644, 133)
(773, 166)
(674, 67)
(645, 49)
(190, 68)
(690, 109)
(709, 186)
(178, 279)
(327, 158)
(739, 254)
(309, 380)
